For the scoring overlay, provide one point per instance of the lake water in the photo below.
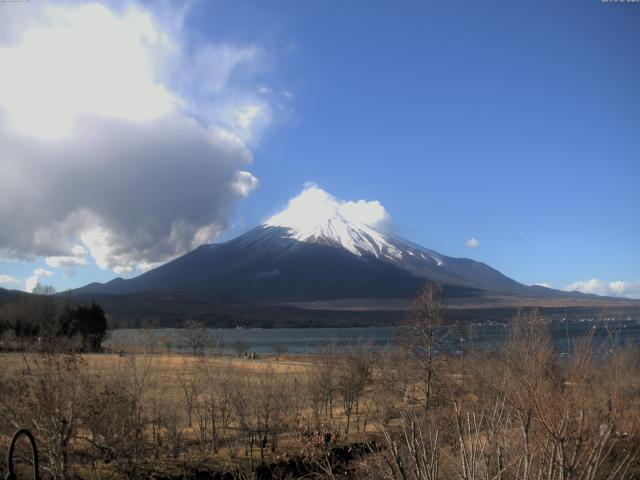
(313, 340)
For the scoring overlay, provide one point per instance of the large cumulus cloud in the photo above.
(103, 154)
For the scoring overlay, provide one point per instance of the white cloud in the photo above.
(32, 281)
(244, 120)
(362, 211)
(145, 267)
(244, 183)
(117, 138)
(214, 66)
(96, 240)
(124, 269)
(246, 115)
(543, 284)
(8, 280)
(596, 286)
(77, 258)
(472, 243)
(315, 206)
(75, 64)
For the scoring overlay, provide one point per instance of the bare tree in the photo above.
(270, 407)
(215, 398)
(422, 336)
(240, 346)
(114, 425)
(215, 341)
(325, 377)
(353, 374)
(224, 396)
(241, 399)
(195, 335)
(315, 396)
(261, 405)
(55, 388)
(412, 451)
(280, 349)
(190, 385)
(128, 385)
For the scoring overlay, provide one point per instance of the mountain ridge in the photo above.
(271, 264)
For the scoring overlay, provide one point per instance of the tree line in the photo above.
(46, 320)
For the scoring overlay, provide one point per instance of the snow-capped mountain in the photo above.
(320, 261)
(315, 216)
(319, 248)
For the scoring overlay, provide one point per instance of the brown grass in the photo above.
(517, 413)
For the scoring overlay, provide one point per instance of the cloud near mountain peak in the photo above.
(316, 206)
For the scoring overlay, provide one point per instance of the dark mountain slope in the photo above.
(266, 266)
(269, 265)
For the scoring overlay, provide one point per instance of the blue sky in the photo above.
(513, 123)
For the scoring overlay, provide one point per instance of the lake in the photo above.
(313, 340)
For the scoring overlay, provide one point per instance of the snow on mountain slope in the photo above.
(359, 227)
(316, 216)
(362, 228)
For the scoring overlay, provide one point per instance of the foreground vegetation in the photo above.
(408, 412)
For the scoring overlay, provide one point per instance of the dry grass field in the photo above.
(178, 399)
(411, 411)
(168, 366)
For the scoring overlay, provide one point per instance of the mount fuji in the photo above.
(321, 249)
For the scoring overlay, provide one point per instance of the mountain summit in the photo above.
(319, 248)
(315, 216)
